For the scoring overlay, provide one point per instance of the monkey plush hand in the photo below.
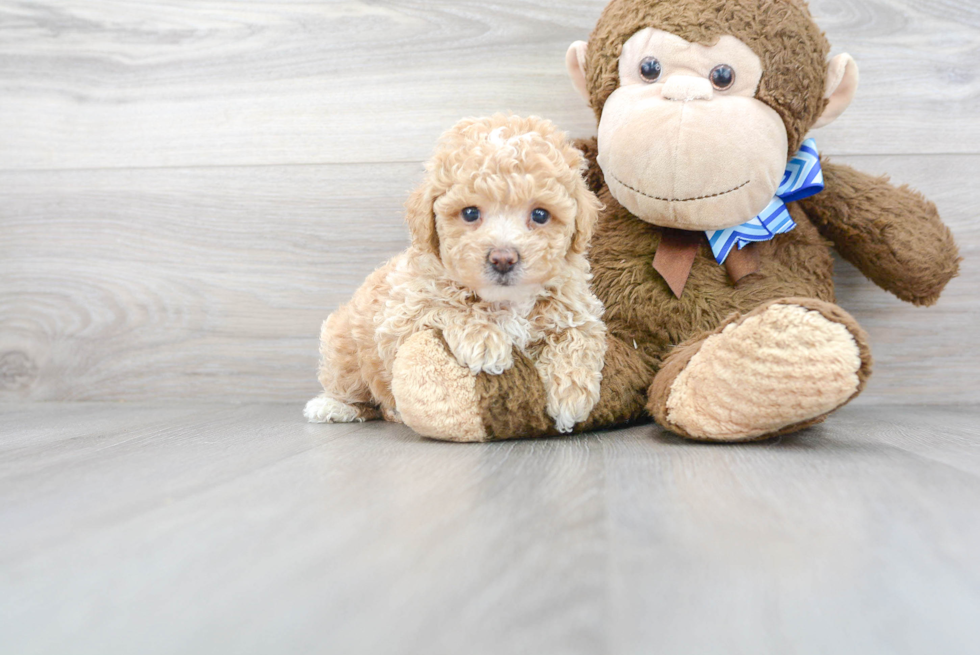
(712, 256)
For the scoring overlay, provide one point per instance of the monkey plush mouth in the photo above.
(705, 197)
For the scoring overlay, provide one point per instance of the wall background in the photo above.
(189, 187)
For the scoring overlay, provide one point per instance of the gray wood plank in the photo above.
(243, 529)
(848, 538)
(208, 280)
(211, 283)
(101, 83)
(213, 528)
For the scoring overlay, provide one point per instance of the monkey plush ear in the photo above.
(842, 84)
(421, 218)
(575, 62)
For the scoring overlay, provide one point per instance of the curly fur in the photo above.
(506, 166)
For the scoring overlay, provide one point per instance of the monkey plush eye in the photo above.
(470, 214)
(540, 216)
(650, 69)
(722, 77)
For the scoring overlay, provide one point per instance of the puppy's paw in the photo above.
(324, 409)
(571, 405)
(498, 354)
(391, 415)
(572, 390)
(480, 348)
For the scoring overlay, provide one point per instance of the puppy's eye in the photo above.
(722, 77)
(650, 69)
(540, 216)
(470, 214)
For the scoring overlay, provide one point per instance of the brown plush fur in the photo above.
(513, 405)
(894, 236)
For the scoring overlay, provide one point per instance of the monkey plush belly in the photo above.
(796, 264)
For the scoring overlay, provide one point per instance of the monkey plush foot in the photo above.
(779, 369)
(436, 396)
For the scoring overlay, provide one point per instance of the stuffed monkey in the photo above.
(712, 255)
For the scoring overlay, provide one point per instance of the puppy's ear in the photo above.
(421, 218)
(586, 217)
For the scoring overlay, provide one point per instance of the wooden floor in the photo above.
(222, 529)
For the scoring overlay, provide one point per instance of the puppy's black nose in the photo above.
(503, 260)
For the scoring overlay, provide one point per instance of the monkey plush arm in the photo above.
(893, 235)
(514, 404)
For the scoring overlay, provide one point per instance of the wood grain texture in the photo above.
(215, 529)
(121, 83)
(211, 283)
(176, 283)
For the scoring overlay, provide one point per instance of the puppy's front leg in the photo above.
(480, 346)
(570, 366)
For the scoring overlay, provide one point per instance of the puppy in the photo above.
(499, 228)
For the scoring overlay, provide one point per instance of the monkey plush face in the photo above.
(701, 103)
(683, 141)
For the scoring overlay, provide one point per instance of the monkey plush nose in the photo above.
(686, 88)
(503, 260)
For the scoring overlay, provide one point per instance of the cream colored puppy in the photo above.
(499, 228)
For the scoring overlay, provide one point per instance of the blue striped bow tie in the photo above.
(803, 178)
